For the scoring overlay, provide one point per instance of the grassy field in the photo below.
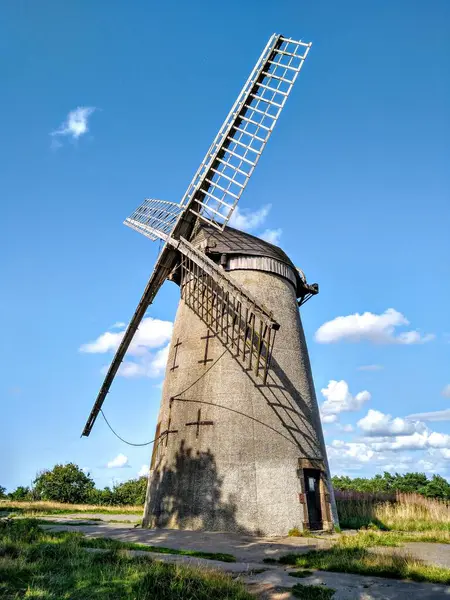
(398, 512)
(39, 564)
(58, 508)
(352, 554)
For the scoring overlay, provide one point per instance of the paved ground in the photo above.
(271, 581)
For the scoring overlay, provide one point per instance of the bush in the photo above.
(64, 483)
(20, 494)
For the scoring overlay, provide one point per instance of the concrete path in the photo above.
(273, 581)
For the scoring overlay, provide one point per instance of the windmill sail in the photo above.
(154, 218)
(216, 187)
(232, 157)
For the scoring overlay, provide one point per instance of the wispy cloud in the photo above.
(271, 235)
(368, 326)
(446, 391)
(433, 416)
(370, 368)
(143, 471)
(252, 220)
(248, 220)
(75, 125)
(119, 462)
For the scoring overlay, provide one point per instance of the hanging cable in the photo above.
(121, 438)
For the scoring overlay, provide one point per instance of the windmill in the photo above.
(239, 444)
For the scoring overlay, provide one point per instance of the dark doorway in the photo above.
(312, 490)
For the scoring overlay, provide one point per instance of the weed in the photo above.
(300, 574)
(312, 592)
(296, 532)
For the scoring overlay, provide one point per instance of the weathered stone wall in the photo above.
(240, 473)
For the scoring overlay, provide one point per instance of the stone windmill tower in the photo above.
(239, 444)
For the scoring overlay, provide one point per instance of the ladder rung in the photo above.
(208, 207)
(296, 42)
(214, 184)
(229, 178)
(205, 218)
(226, 164)
(240, 157)
(214, 198)
(277, 64)
(244, 145)
(264, 113)
(277, 51)
(254, 122)
(271, 89)
(256, 137)
(277, 77)
(266, 101)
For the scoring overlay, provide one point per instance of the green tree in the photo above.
(2, 492)
(438, 487)
(131, 491)
(20, 493)
(64, 483)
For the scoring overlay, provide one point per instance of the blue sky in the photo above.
(356, 177)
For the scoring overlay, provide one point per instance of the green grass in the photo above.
(370, 538)
(110, 544)
(35, 563)
(300, 574)
(351, 554)
(312, 592)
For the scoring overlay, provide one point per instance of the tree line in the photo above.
(70, 484)
(407, 483)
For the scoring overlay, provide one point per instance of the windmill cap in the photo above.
(236, 249)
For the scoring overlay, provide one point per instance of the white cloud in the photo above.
(370, 368)
(152, 333)
(380, 329)
(143, 471)
(446, 391)
(119, 462)
(355, 451)
(118, 325)
(346, 428)
(339, 399)
(377, 423)
(76, 123)
(149, 365)
(328, 418)
(437, 415)
(271, 235)
(248, 220)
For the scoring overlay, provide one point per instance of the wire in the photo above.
(121, 438)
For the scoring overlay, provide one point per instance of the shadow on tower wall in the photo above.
(177, 498)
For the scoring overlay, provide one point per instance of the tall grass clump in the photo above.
(44, 507)
(39, 564)
(392, 511)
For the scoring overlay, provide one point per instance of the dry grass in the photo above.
(55, 508)
(399, 512)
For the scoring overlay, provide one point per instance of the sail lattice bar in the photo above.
(224, 172)
(154, 218)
